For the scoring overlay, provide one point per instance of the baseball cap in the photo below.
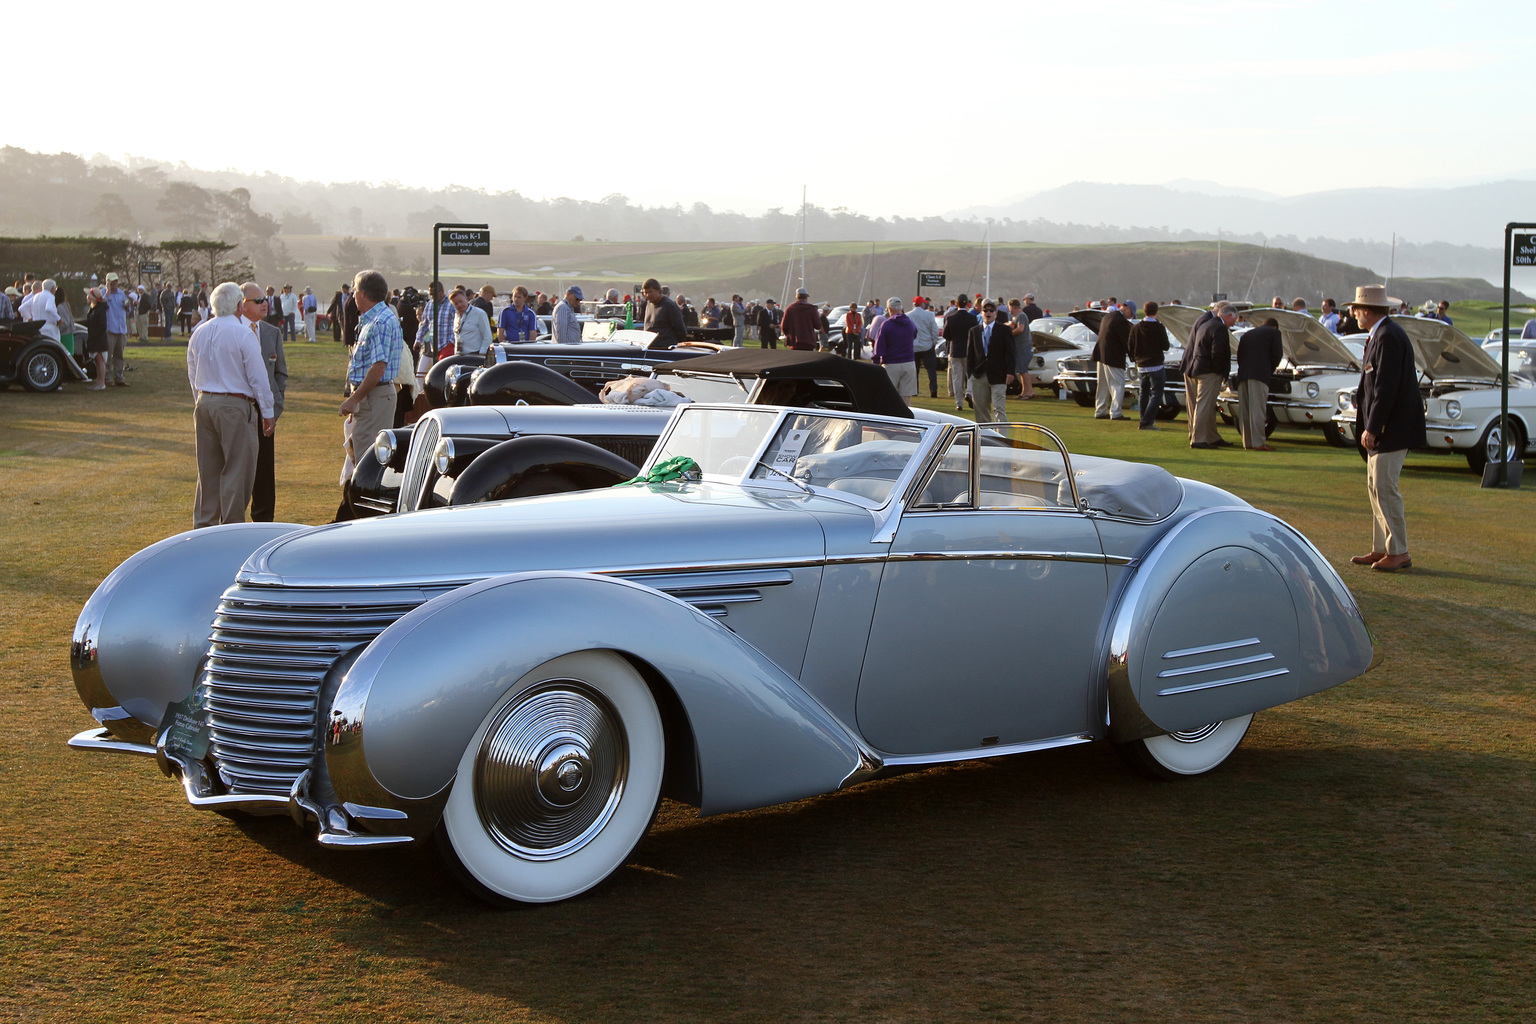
(802, 293)
(576, 291)
(113, 276)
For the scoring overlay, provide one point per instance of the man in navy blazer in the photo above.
(1389, 419)
(989, 356)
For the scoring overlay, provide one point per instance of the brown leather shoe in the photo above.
(1264, 448)
(1370, 559)
(1392, 563)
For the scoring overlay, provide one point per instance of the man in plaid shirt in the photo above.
(370, 402)
(436, 335)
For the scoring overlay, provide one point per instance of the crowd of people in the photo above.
(237, 366)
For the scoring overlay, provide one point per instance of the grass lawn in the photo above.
(1368, 854)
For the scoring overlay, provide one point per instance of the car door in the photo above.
(989, 606)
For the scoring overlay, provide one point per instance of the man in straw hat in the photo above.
(1389, 420)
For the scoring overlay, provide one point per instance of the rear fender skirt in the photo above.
(413, 699)
(1232, 612)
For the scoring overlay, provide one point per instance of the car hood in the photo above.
(1092, 319)
(1180, 321)
(1443, 351)
(614, 528)
(1305, 340)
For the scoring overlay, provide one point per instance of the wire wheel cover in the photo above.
(551, 770)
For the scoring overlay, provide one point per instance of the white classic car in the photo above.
(1462, 396)
(1304, 389)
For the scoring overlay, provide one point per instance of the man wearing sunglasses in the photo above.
(990, 359)
(253, 311)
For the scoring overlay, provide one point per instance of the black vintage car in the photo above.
(34, 362)
(451, 381)
(541, 437)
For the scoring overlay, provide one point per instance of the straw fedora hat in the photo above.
(1374, 296)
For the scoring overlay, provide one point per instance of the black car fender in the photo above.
(539, 464)
(526, 383)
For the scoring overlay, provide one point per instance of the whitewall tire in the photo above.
(1183, 755)
(558, 784)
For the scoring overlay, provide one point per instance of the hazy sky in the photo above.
(905, 107)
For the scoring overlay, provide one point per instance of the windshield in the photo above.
(721, 441)
(855, 457)
(715, 390)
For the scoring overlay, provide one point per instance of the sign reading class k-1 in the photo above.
(460, 242)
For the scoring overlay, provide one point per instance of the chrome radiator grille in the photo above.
(419, 461)
(269, 655)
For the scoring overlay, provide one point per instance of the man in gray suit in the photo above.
(253, 312)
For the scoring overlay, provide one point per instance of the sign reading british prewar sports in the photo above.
(461, 242)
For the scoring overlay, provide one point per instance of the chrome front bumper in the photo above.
(335, 824)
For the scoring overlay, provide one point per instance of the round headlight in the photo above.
(384, 447)
(1453, 409)
(1313, 390)
(444, 457)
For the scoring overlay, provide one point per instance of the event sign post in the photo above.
(1519, 251)
(461, 240)
(929, 279)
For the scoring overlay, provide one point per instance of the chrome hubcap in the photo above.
(551, 769)
(1195, 735)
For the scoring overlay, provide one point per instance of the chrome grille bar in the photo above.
(268, 657)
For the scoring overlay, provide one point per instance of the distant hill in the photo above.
(1440, 231)
(1470, 215)
(1061, 276)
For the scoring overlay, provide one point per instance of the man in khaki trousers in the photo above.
(232, 402)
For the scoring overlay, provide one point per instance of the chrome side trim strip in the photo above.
(980, 753)
(640, 573)
(100, 739)
(1173, 690)
(1212, 648)
(1169, 673)
(1037, 556)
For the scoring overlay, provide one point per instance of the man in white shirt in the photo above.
(224, 368)
(24, 308)
(45, 309)
(923, 345)
(289, 304)
(471, 327)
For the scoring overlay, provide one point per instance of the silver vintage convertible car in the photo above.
(736, 629)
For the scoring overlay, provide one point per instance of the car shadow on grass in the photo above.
(1053, 884)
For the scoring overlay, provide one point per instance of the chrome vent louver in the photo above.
(268, 658)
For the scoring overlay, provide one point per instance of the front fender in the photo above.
(409, 705)
(142, 635)
(1233, 611)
